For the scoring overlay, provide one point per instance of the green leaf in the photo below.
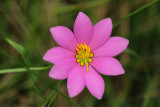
(20, 49)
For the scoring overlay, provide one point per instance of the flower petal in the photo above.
(62, 68)
(75, 82)
(113, 47)
(108, 66)
(83, 28)
(64, 37)
(102, 32)
(94, 82)
(57, 53)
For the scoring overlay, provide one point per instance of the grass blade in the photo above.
(55, 94)
(82, 6)
(51, 86)
(51, 94)
(11, 57)
(56, 102)
(20, 49)
(149, 87)
(134, 12)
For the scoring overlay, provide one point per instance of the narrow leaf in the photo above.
(135, 12)
(20, 49)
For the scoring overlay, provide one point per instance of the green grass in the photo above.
(25, 37)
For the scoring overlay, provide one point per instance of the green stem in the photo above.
(24, 69)
(149, 87)
(134, 12)
(68, 99)
(55, 94)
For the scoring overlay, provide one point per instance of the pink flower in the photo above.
(84, 54)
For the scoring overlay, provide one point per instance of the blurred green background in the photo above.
(27, 22)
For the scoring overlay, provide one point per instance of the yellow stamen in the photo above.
(91, 54)
(82, 63)
(77, 56)
(90, 60)
(84, 55)
(78, 60)
(77, 49)
(79, 46)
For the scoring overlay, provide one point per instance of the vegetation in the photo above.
(25, 37)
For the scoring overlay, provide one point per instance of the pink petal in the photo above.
(102, 32)
(83, 28)
(75, 82)
(62, 68)
(64, 37)
(56, 54)
(113, 47)
(94, 83)
(108, 66)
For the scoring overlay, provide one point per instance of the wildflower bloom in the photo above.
(84, 54)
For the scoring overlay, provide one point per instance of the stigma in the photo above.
(84, 55)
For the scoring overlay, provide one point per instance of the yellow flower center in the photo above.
(84, 55)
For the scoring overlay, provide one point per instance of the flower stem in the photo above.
(24, 69)
(134, 12)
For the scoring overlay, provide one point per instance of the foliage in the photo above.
(25, 37)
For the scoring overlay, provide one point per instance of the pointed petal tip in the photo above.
(45, 56)
(99, 97)
(52, 28)
(108, 22)
(56, 27)
(108, 19)
(126, 42)
(123, 38)
(122, 72)
(50, 75)
(71, 95)
(81, 13)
